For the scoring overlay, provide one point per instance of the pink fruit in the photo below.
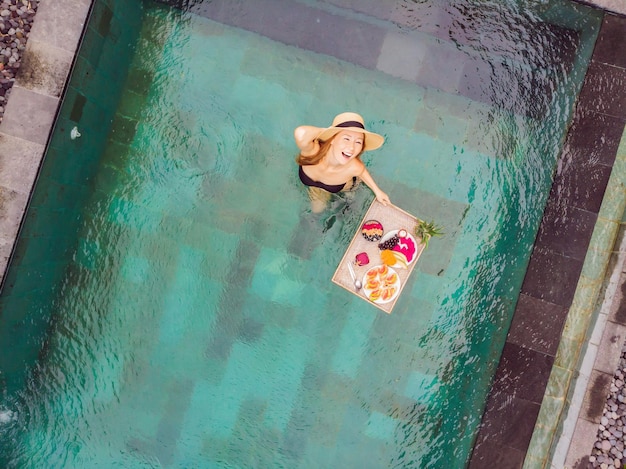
(362, 259)
(406, 246)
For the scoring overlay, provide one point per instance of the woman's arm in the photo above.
(369, 180)
(306, 139)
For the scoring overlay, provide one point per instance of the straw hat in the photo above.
(352, 121)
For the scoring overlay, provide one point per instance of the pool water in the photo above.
(196, 324)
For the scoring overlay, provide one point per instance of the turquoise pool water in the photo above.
(195, 323)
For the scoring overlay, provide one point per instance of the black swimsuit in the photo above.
(307, 181)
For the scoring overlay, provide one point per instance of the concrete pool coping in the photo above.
(29, 119)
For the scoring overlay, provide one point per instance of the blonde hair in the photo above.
(317, 157)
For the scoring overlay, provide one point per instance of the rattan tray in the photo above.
(392, 218)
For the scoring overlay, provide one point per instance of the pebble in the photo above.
(16, 19)
(609, 450)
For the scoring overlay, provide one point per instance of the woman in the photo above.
(330, 158)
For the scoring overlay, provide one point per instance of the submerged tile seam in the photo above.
(553, 411)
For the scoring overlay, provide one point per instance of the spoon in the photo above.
(357, 282)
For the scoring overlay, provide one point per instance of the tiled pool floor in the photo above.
(574, 210)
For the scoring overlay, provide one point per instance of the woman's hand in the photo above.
(382, 198)
(306, 139)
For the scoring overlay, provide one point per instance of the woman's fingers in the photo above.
(383, 199)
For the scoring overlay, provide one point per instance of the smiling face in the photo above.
(346, 146)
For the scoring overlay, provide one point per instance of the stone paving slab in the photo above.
(45, 68)
(12, 205)
(59, 23)
(580, 442)
(607, 359)
(19, 167)
(29, 115)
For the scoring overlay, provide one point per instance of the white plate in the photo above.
(403, 244)
(374, 274)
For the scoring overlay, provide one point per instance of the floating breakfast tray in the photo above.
(392, 219)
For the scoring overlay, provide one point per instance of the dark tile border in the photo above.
(556, 262)
(535, 325)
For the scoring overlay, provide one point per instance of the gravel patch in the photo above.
(609, 450)
(16, 20)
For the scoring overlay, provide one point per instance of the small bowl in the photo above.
(372, 230)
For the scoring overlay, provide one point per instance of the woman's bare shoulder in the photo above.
(357, 167)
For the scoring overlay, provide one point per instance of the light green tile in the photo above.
(559, 382)
(568, 352)
(613, 204)
(550, 412)
(533, 462)
(452, 129)
(586, 293)
(421, 387)
(614, 197)
(604, 232)
(596, 261)
(577, 323)
(539, 445)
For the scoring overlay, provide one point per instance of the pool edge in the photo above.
(586, 359)
(526, 406)
(564, 431)
(31, 111)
